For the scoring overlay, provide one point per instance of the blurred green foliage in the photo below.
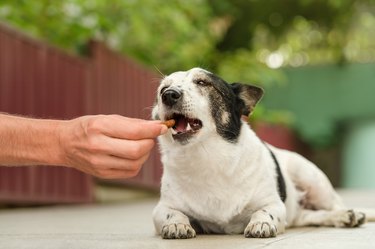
(166, 35)
(241, 39)
(278, 117)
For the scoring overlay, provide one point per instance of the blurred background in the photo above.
(315, 59)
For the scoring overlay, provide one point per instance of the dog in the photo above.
(219, 177)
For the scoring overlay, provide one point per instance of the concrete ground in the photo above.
(129, 225)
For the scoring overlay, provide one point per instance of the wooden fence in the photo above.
(42, 81)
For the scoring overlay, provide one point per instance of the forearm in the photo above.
(27, 141)
(107, 146)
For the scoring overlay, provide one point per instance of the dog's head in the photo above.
(203, 104)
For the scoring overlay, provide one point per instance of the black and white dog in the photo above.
(219, 177)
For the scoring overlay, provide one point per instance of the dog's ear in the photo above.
(249, 94)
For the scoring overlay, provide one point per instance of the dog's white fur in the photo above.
(232, 187)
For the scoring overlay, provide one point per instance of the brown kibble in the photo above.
(170, 123)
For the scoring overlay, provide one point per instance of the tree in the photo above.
(171, 36)
(241, 39)
(299, 32)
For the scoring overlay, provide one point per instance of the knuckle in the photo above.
(94, 145)
(133, 170)
(132, 173)
(134, 166)
(140, 149)
(95, 124)
(95, 163)
(136, 151)
(150, 143)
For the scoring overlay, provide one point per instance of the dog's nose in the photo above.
(171, 96)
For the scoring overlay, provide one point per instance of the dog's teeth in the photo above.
(174, 132)
(188, 127)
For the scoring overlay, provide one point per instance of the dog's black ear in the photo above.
(249, 94)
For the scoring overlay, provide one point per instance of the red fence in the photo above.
(41, 81)
(121, 86)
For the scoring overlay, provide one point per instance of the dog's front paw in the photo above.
(177, 231)
(349, 218)
(260, 230)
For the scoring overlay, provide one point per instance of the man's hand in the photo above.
(107, 146)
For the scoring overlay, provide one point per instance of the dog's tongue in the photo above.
(181, 124)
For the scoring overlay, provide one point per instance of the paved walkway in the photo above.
(129, 225)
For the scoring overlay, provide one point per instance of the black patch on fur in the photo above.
(271, 216)
(224, 100)
(280, 178)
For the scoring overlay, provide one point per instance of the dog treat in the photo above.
(169, 123)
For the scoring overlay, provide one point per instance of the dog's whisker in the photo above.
(148, 109)
(157, 69)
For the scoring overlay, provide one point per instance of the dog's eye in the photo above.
(202, 82)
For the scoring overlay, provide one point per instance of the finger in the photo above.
(107, 162)
(116, 174)
(120, 168)
(126, 149)
(134, 129)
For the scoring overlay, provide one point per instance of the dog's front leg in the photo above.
(267, 222)
(171, 223)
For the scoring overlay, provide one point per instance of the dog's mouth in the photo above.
(184, 126)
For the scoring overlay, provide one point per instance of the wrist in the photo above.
(56, 150)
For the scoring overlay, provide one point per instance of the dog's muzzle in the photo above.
(171, 96)
(186, 125)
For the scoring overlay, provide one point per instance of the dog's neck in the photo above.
(212, 154)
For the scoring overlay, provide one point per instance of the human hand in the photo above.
(108, 146)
